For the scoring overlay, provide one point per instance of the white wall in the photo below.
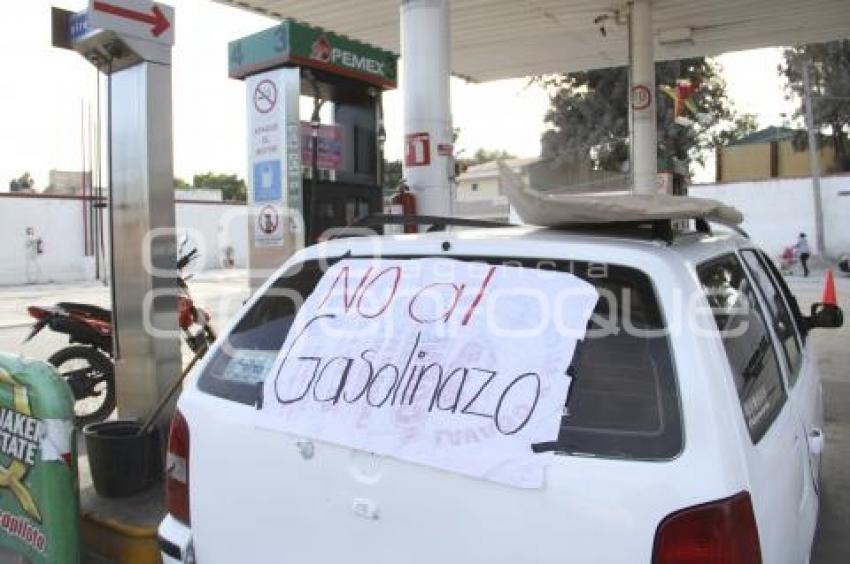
(776, 211)
(59, 222)
(211, 227)
(205, 194)
(486, 188)
(836, 211)
(233, 231)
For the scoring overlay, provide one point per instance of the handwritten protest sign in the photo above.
(456, 365)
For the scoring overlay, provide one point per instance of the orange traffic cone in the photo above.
(829, 297)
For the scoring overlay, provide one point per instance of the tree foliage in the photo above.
(740, 126)
(588, 116)
(485, 156)
(829, 69)
(393, 174)
(481, 155)
(232, 187)
(180, 183)
(23, 182)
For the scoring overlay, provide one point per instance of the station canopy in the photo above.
(493, 39)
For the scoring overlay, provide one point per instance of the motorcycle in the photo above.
(87, 365)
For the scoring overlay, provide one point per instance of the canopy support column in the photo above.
(644, 132)
(425, 72)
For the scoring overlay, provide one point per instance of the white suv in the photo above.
(691, 432)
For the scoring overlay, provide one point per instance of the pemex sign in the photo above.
(295, 43)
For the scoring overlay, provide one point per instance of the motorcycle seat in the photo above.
(87, 310)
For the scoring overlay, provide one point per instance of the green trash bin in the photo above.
(39, 497)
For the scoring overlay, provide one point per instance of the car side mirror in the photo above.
(826, 316)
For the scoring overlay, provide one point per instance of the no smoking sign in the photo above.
(265, 96)
(268, 220)
(268, 229)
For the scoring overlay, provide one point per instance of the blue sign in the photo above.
(79, 25)
(267, 181)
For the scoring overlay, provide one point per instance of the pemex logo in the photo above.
(321, 49)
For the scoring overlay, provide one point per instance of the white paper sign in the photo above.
(451, 364)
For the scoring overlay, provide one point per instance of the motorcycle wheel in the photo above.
(90, 375)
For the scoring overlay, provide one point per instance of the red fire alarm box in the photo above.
(417, 149)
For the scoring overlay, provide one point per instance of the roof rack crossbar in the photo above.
(362, 227)
(437, 223)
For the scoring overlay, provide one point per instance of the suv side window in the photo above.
(790, 299)
(751, 351)
(783, 321)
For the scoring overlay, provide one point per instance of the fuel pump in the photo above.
(306, 177)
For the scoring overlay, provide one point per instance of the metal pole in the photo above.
(380, 135)
(814, 161)
(644, 134)
(97, 180)
(427, 107)
(144, 285)
(116, 332)
(85, 202)
(315, 124)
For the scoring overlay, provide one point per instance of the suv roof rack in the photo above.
(663, 229)
(435, 222)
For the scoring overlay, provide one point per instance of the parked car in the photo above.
(678, 442)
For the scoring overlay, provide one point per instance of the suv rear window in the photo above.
(624, 399)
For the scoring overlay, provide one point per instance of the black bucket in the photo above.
(122, 462)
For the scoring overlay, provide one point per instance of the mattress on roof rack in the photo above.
(550, 210)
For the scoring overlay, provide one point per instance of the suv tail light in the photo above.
(177, 469)
(722, 531)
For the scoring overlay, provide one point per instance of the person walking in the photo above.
(804, 252)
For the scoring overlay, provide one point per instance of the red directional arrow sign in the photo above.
(156, 18)
(139, 18)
